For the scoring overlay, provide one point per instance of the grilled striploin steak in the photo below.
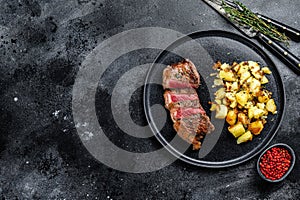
(190, 120)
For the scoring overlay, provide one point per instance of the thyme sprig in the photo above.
(246, 17)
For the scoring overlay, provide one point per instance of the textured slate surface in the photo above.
(41, 156)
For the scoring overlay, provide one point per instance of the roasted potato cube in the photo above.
(243, 68)
(261, 105)
(235, 86)
(251, 112)
(227, 76)
(244, 77)
(225, 102)
(243, 118)
(255, 86)
(228, 86)
(263, 97)
(233, 104)
(249, 80)
(258, 113)
(245, 137)
(248, 105)
(242, 97)
(254, 66)
(230, 96)
(264, 80)
(266, 70)
(258, 74)
(236, 68)
(271, 106)
(225, 66)
(221, 112)
(237, 129)
(256, 127)
(231, 117)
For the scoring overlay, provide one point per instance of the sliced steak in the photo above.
(190, 120)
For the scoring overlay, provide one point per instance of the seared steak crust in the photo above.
(190, 120)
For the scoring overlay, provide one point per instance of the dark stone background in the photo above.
(42, 44)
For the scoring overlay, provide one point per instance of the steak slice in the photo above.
(176, 97)
(181, 75)
(181, 98)
(188, 134)
(190, 120)
(191, 129)
(180, 113)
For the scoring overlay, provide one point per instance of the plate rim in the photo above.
(219, 164)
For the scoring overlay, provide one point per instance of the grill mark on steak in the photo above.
(190, 120)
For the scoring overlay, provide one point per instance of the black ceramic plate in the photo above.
(204, 49)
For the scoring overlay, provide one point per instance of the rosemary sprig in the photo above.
(246, 17)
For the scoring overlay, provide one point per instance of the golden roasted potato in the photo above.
(243, 68)
(233, 104)
(231, 117)
(256, 127)
(263, 96)
(255, 87)
(236, 67)
(264, 80)
(235, 86)
(266, 70)
(248, 105)
(249, 80)
(225, 66)
(254, 66)
(258, 113)
(244, 77)
(242, 97)
(237, 129)
(230, 96)
(251, 112)
(228, 86)
(243, 118)
(261, 105)
(245, 137)
(258, 74)
(271, 106)
(227, 76)
(226, 102)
